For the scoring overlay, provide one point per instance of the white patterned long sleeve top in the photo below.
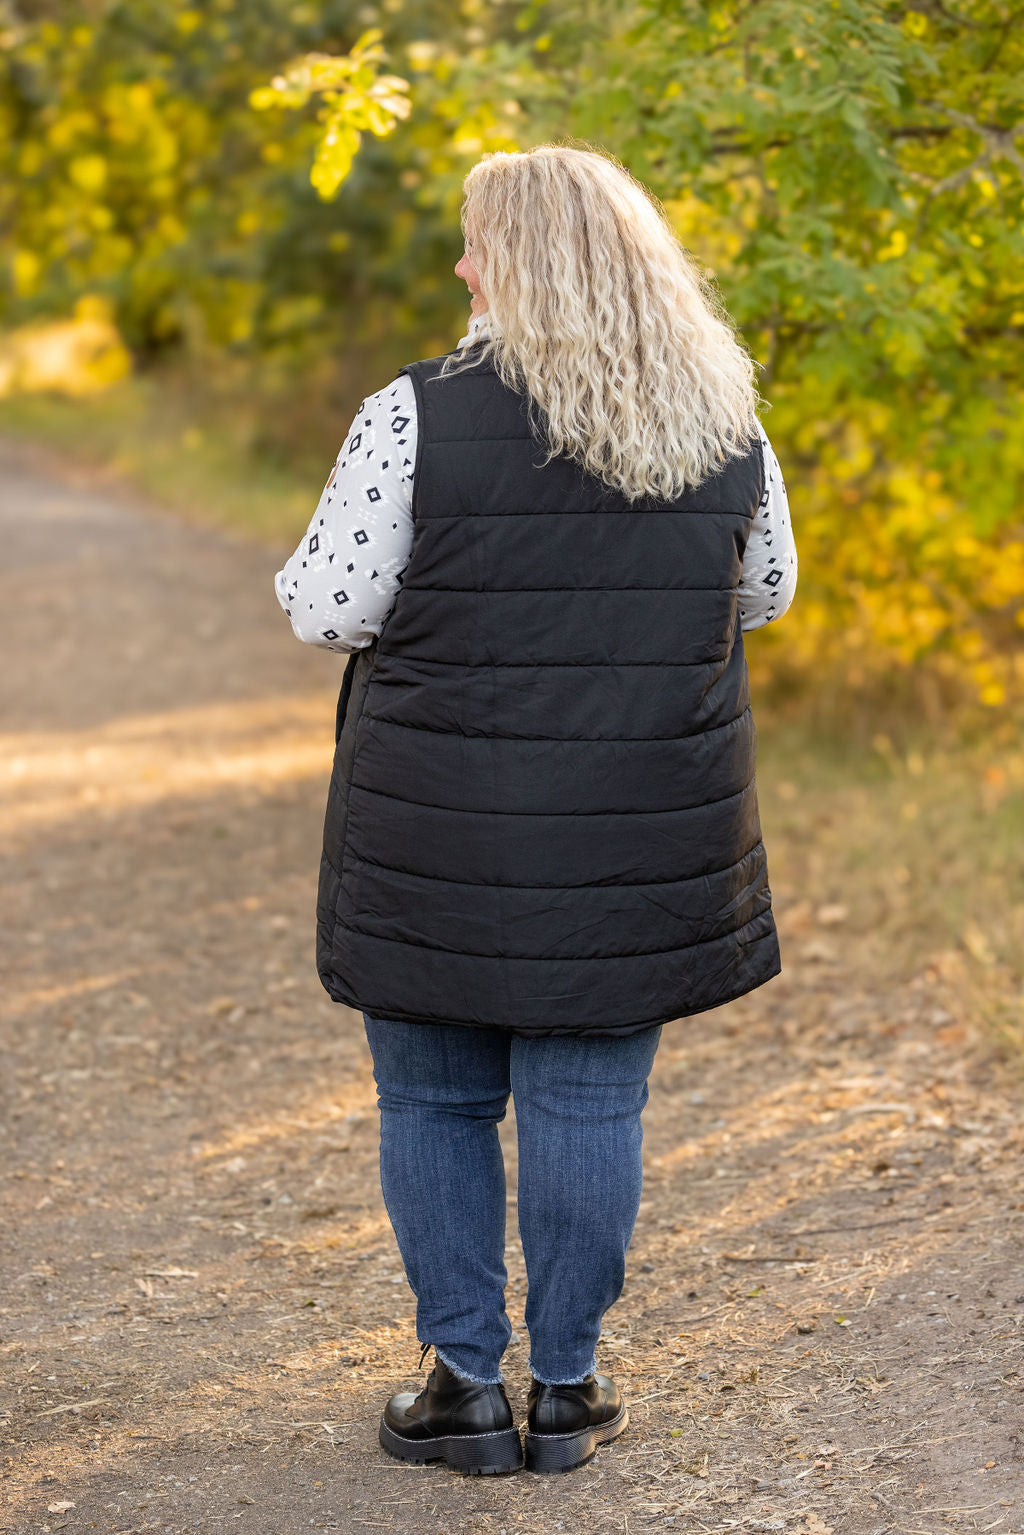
(340, 585)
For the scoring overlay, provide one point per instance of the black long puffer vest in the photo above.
(543, 812)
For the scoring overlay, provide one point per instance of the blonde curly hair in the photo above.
(603, 320)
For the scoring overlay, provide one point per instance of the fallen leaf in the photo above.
(813, 1525)
(58, 1508)
(977, 945)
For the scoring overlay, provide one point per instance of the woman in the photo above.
(542, 839)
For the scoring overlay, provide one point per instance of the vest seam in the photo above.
(562, 959)
(493, 735)
(486, 591)
(619, 884)
(635, 1027)
(530, 665)
(600, 511)
(461, 810)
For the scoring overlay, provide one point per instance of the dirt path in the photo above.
(202, 1307)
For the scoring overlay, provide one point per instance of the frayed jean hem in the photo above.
(479, 1380)
(576, 1381)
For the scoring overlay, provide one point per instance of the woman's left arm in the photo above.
(768, 582)
(341, 583)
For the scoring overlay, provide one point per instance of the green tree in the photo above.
(850, 170)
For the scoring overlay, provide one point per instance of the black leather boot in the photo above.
(467, 1425)
(565, 1424)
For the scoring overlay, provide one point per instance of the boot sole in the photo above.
(564, 1452)
(472, 1454)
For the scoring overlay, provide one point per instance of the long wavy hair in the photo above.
(627, 356)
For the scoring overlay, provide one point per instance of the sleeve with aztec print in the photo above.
(768, 581)
(340, 585)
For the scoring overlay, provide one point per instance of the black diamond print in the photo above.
(373, 494)
(399, 423)
(361, 537)
(340, 597)
(354, 443)
(384, 465)
(330, 634)
(314, 544)
(773, 578)
(351, 568)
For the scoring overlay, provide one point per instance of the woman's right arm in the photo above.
(341, 583)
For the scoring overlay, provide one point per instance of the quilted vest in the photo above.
(542, 816)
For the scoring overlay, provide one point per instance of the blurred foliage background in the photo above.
(221, 226)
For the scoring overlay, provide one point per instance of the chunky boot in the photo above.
(462, 1422)
(565, 1424)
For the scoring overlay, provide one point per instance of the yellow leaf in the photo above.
(89, 172)
(26, 269)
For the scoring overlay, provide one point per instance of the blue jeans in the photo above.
(442, 1091)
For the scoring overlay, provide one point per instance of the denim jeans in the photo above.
(442, 1091)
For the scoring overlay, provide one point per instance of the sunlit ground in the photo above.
(202, 1306)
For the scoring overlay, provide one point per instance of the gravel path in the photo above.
(202, 1308)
